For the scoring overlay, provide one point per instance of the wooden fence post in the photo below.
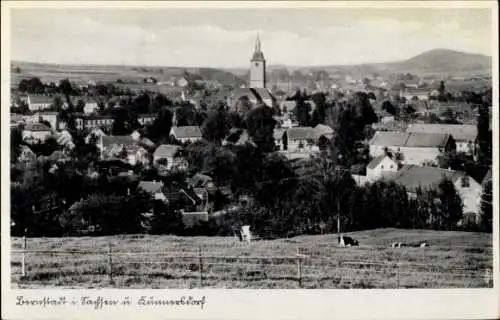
(110, 264)
(299, 267)
(23, 261)
(398, 275)
(201, 266)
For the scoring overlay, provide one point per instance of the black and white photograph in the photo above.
(251, 148)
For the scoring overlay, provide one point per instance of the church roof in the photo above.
(257, 54)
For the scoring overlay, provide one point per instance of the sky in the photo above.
(225, 37)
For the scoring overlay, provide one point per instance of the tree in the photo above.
(328, 186)
(450, 206)
(318, 116)
(215, 127)
(260, 125)
(66, 88)
(487, 207)
(33, 85)
(346, 135)
(16, 140)
(185, 114)
(388, 107)
(159, 130)
(364, 111)
(80, 105)
(484, 134)
(165, 220)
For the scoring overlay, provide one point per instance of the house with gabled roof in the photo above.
(464, 134)
(413, 177)
(381, 166)
(26, 157)
(186, 133)
(39, 102)
(154, 188)
(413, 148)
(34, 132)
(168, 156)
(302, 139)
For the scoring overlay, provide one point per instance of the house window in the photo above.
(392, 166)
(382, 167)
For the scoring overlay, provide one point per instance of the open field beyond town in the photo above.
(452, 260)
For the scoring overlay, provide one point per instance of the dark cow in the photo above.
(345, 241)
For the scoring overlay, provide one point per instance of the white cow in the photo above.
(246, 235)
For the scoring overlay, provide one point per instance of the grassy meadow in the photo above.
(453, 260)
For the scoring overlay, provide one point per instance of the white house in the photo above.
(464, 134)
(34, 132)
(302, 139)
(170, 154)
(91, 106)
(153, 188)
(414, 148)
(49, 116)
(186, 133)
(412, 177)
(146, 118)
(96, 133)
(39, 102)
(380, 166)
(324, 130)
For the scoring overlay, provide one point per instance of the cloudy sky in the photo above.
(225, 37)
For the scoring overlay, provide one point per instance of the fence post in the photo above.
(201, 266)
(299, 268)
(398, 275)
(110, 264)
(23, 261)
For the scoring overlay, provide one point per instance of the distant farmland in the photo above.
(83, 73)
(453, 260)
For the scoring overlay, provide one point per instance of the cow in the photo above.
(345, 241)
(398, 245)
(246, 235)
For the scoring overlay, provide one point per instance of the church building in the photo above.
(243, 99)
(258, 67)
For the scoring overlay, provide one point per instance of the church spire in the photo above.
(257, 53)
(257, 43)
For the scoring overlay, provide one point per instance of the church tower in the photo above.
(257, 67)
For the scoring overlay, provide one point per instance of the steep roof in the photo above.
(460, 132)
(488, 177)
(118, 140)
(412, 177)
(324, 129)
(278, 133)
(427, 140)
(166, 151)
(41, 99)
(150, 187)
(187, 132)
(263, 93)
(57, 156)
(302, 133)
(376, 161)
(405, 139)
(36, 127)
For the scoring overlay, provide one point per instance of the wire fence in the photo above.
(203, 268)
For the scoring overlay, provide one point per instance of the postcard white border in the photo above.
(260, 304)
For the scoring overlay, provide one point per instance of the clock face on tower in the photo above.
(256, 64)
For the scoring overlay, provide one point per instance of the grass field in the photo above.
(453, 260)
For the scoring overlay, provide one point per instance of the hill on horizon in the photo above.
(434, 61)
(437, 61)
